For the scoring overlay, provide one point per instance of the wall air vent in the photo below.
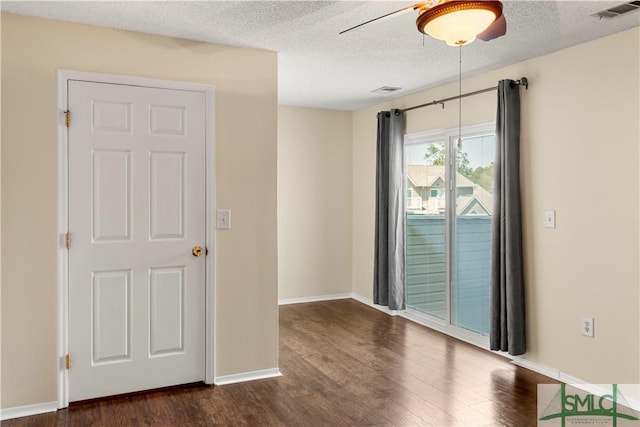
(386, 90)
(618, 10)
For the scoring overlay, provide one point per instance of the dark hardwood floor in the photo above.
(343, 364)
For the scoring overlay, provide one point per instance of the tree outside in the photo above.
(482, 175)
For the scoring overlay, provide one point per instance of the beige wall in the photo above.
(245, 136)
(580, 156)
(314, 202)
(0, 217)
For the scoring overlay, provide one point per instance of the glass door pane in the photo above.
(472, 233)
(426, 275)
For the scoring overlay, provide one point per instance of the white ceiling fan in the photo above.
(457, 22)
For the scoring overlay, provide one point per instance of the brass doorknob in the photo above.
(196, 251)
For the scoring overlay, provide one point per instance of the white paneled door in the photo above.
(137, 219)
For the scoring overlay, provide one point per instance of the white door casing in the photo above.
(137, 185)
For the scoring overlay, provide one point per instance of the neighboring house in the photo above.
(426, 192)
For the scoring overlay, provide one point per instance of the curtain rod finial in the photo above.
(524, 82)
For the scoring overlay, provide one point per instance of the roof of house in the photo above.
(484, 197)
(426, 175)
(464, 203)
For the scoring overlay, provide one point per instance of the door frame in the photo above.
(448, 136)
(63, 77)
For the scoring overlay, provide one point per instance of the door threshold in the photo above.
(167, 389)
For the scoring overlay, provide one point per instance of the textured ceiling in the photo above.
(318, 67)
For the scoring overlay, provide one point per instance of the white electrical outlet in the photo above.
(586, 326)
(224, 219)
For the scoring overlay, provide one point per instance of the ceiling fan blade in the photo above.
(380, 18)
(495, 30)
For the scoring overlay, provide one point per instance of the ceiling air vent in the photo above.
(385, 90)
(618, 10)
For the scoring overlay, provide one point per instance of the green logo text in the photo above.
(565, 406)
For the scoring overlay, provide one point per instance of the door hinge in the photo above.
(67, 118)
(67, 361)
(67, 240)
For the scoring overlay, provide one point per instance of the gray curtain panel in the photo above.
(388, 272)
(507, 317)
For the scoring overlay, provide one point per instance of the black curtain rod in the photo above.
(522, 82)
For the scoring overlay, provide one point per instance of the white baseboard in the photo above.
(247, 376)
(601, 389)
(369, 302)
(596, 389)
(313, 299)
(536, 367)
(41, 408)
(359, 298)
(552, 373)
(26, 410)
(459, 333)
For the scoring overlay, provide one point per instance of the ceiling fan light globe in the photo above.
(458, 22)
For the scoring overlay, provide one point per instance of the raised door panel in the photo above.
(111, 116)
(167, 316)
(167, 187)
(111, 195)
(111, 316)
(167, 120)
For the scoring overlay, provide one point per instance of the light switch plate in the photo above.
(224, 219)
(550, 218)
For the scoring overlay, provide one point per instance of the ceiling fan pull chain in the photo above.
(460, 99)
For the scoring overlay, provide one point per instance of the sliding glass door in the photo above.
(449, 183)
(472, 231)
(426, 256)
